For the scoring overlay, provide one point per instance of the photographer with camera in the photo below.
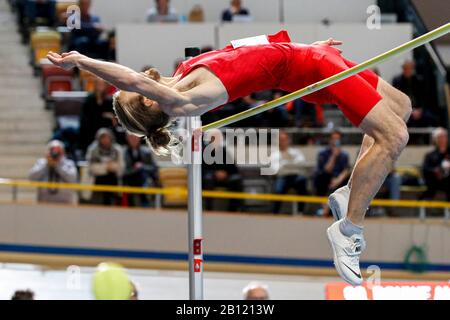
(55, 167)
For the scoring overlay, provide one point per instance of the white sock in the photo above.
(348, 228)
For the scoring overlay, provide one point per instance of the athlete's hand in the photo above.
(67, 60)
(330, 42)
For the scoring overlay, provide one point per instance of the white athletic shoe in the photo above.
(346, 252)
(338, 202)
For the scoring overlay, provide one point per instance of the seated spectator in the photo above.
(289, 175)
(411, 84)
(196, 14)
(307, 115)
(205, 49)
(436, 166)
(162, 11)
(332, 171)
(217, 173)
(111, 53)
(420, 118)
(134, 291)
(40, 13)
(87, 40)
(23, 295)
(140, 169)
(106, 164)
(234, 10)
(55, 167)
(276, 117)
(96, 113)
(256, 291)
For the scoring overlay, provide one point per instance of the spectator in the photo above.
(256, 291)
(276, 117)
(87, 39)
(23, 295)
(111, 53)
(421, 118)
(436, 166)
(392, 185)
(411, 84)
(234, 10)
(217, 173)
(162, 11)
(40, 13)
(106, 164)
(196, 14)
(289, 175)
(332, 169)
(139, 169)
(97, 112)
(134, 291)
(55, 167)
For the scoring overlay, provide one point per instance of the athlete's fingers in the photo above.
(334, 42)
(53, 59)
(65, 54)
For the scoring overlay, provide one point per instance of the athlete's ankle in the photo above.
(348, 228)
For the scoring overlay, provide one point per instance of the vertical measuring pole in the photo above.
(194, 147)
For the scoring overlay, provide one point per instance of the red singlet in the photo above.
(289, 66)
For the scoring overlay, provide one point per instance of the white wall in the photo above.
(113, 12)
(160, 45)
(361, 43)
(303, 33)
(305, 11)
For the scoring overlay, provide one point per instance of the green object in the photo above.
(426, 38)
(111, 282)
(416, 259)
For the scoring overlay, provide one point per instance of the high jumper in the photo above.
(148, 102)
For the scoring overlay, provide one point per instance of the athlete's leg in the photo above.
(398, 102)
(382, 120)
(390, 136)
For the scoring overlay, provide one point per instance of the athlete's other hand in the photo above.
(330, 42)
(67, 60)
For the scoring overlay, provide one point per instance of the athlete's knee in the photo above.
(405, 106)
(396, 139)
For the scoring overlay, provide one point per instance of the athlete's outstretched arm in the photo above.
(122, 77)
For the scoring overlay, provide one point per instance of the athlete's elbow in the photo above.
(131, 82)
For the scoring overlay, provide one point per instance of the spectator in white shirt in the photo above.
(162, 11)
(288, 162)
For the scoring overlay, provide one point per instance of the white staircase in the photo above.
(25, 126)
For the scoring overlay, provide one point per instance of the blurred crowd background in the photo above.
(86, 143)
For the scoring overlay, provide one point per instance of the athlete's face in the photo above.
(127, 97)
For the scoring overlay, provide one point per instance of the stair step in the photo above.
(20, 150)
(31, 137)
(25, 126)
(25, 114)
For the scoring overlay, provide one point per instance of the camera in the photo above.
(55, 153)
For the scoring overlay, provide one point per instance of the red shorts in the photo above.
(354, 96)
